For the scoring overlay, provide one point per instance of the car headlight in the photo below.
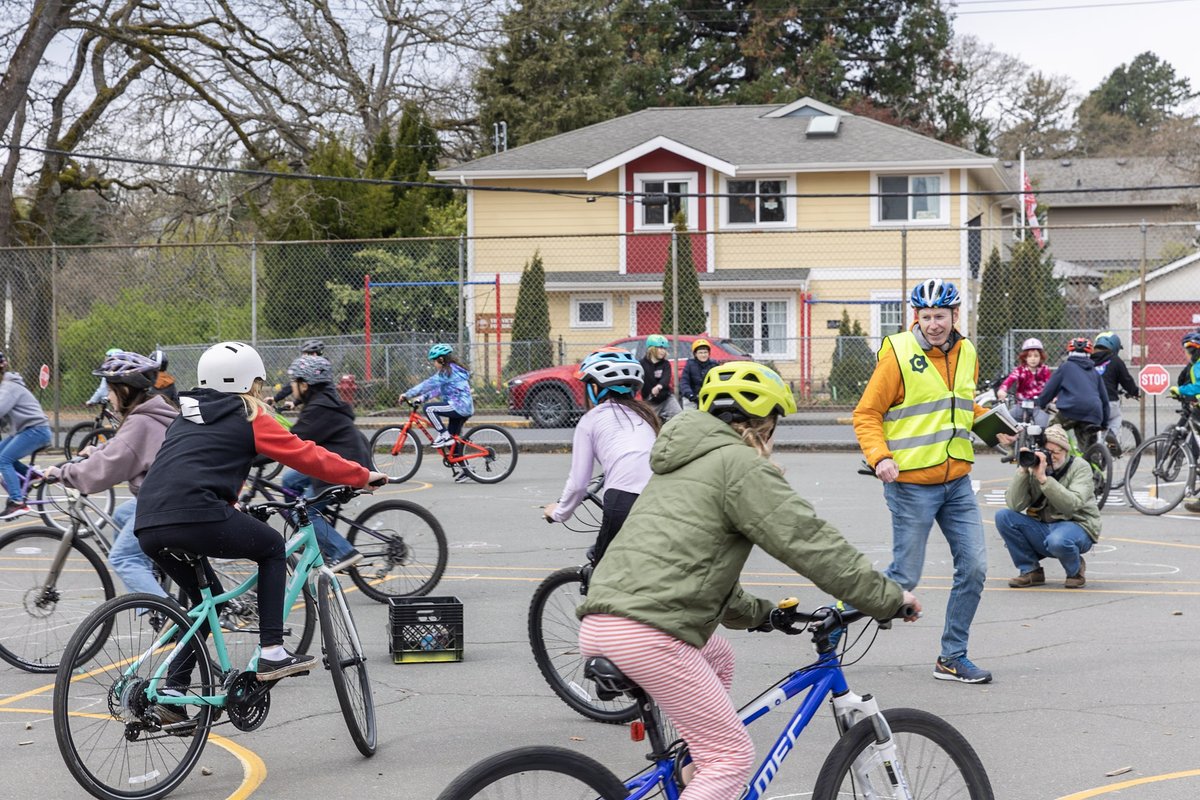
(515, 382)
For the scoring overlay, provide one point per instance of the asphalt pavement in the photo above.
(1094, 688)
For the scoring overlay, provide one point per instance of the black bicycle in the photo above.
(403, 545)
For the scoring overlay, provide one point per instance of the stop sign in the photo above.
(44, 376)
(1154, 379)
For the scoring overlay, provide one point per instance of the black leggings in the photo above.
(240, 536)
(616, 508)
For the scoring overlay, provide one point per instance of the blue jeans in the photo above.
(334, 546)
(13, 449)
(133, 567)
(1029, 540)
(915, 507)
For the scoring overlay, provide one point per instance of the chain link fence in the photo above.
(815, 305)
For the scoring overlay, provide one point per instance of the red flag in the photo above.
(1031, 220)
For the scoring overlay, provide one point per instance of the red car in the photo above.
(552, 398)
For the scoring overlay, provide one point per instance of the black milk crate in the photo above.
(425, 629)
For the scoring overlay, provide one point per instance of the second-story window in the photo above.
(659, 213)
(911, 198)
(756, 202)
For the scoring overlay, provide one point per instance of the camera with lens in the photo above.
(1031, 440)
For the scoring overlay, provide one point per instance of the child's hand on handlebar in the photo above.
(912, 602)
(548, 511)
(52, 475)
(377, 480)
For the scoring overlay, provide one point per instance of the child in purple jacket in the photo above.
(1029, 377)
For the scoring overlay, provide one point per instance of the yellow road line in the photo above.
(254, 770)
(1151, 541)
(1116, 787)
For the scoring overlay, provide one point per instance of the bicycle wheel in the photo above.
(404, 550)
(399, 464)
(73, 441)
(536, 772)
(1128, 439)
(554, 637)
(933, 758)
(97, 436)
(501, 457)
(37, 614)
(53, 505)
(239, 617)
(346, 663)
(1160, 473)
(1102, 468)
(114, 740)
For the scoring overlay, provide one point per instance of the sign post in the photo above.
(1154, 380)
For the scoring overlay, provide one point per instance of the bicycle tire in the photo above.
(1160, 473)
(537, 772)
(554, 639)
(405, 563)
(347, 664)
(1128, 439)
(939, 744)
(404, 464)
(52, 503)
(1101, 461)
(73, 441)
(499, 443)
(43, 612)
(96, 746)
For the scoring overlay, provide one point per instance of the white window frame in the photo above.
(879, 296)
(693, 207)
(943, 200)
(576, 322)
(789, 203)
(791, 331)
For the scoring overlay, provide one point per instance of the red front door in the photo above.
(649, 317)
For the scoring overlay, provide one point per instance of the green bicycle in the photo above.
(122, 722)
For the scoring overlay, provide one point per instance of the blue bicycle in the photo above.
(882, 755)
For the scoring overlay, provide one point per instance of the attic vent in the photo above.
(825, 125)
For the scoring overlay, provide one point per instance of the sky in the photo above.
(1087, 39)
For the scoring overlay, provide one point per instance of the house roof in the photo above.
(1103, 173)
(1166, 269)
(734, 140)
(779, 277)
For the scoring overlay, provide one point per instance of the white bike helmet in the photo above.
(230, 367)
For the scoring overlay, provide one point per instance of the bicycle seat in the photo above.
(611, 683)
(179, 554)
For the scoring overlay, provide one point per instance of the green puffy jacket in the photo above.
(677, 561)
(1071, 497)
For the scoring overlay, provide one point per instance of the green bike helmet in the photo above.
(656, 340)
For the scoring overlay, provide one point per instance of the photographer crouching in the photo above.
(1052, 511)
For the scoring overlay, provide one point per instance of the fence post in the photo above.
(675, 304)
(461, 299)
(253, 293)
(54, 336)
(499, 369)
(1142, 325)
(367, 324)
(903, 269)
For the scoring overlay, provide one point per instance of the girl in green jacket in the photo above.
(673, 574)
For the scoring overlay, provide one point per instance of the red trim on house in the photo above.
(649, 253)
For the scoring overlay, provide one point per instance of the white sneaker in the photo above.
(443, 440)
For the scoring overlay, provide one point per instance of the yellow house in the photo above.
(795, 212)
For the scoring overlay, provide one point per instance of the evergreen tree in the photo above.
(530, 342)
(1018, 294)
(1135, 99)
(691, 302)
(995, 315)
(853, 361)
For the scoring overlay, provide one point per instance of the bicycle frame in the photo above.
(64, 547)
(416, 420)
(310, 562)
(820, 679)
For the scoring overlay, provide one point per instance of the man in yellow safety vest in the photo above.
(913, 424)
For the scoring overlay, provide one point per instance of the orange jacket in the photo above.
(886, 389)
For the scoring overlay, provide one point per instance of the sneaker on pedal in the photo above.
(272, 670)
(14, 508)
(443, 440)
(960, 669)
(1192, 504)
(347, 562)
(462, 477)
(173, 717)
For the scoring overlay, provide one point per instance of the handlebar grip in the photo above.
(386, 480)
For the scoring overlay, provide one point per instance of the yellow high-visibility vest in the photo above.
(933, 422)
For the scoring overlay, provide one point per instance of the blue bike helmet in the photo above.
(610, 369)
(1109, 341)
(439, 350)
(935, 293)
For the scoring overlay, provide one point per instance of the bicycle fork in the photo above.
(881, 755)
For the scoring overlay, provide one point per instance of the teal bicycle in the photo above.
(129, 726)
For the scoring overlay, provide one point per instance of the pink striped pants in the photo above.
(692, 686)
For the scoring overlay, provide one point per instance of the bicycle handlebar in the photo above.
(788, 619)
(338, 494)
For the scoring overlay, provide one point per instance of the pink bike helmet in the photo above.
(1033, 344)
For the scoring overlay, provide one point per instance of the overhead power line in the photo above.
(570, 193)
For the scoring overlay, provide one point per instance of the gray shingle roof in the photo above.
(739, 135)
(1099, 173)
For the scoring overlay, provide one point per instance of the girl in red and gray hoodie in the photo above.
(187, 499)
(1027, 380)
